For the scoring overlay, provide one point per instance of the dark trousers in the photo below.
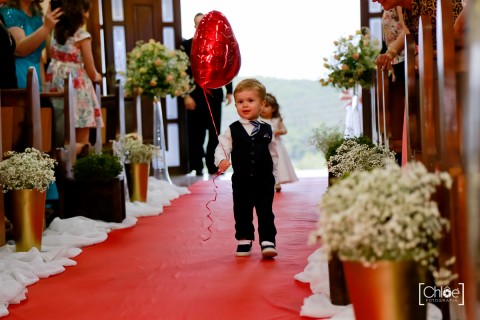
(199, 124)
(250, 193)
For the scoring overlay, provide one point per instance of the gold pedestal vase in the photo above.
(137, 180)
(386, 290)
(27, 209)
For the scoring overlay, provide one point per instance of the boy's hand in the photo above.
(223, 165)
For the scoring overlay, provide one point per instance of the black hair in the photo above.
(73, 17)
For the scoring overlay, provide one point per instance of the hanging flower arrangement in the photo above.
(352, 61)
(154, 70)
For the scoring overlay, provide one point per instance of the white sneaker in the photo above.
(268, 249)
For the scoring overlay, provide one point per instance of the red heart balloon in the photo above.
(215, 55)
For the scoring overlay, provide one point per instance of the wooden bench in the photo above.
(20, 125)
(21, 116)
(113, 113)
(428, 86)
(451, 86)
(381, 102)
(412, 106)
(471, 155)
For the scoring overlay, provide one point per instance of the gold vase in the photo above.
(137, 180)
(386, 290)
(27, 208)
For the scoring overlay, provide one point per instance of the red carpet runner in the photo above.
(162, 269)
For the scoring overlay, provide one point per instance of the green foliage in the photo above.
(326, 139)
(97, 167)
(332, 148)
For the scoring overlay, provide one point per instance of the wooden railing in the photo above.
(28, 119)
(443, 132)
(20, 125)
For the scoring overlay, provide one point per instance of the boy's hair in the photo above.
(272, 102)
(251, 84)
(71, 19)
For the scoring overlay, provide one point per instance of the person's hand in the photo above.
(223, 165)
(52, 17)
(98, 78)
(384, 61)
(229, 98)
(189, 103)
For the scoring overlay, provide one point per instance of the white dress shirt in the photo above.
(224, 147)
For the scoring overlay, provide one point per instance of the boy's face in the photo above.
(248, 104)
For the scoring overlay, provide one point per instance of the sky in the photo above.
(281, 38)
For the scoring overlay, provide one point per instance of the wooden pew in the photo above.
(62, 140)
(428, 85)
(412, 108)
(21, 116)
(381, 98)
(20, 125)
(113, 113)
(471, 132)
(450, 92)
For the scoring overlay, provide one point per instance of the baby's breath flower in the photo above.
(385, 214)
(352, 156)
(31, 169)
(132, 150)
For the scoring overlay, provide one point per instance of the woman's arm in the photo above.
(86, 49)
(384, 60)
(282, 129)
(27, 44)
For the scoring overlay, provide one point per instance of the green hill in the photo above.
(304, 105)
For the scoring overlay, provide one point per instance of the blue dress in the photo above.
(18, 18)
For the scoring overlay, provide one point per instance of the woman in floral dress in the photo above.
(71, 52)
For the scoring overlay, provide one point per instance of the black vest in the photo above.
(250, 155)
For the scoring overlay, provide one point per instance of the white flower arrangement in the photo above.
(132, 150)
(384, 214)
(353, 156)
(352, 62)
(31, 169)
(154, 70)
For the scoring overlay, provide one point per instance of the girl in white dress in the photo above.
(271, 114)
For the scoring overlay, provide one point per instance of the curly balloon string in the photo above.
(209, 228)
(209, 215)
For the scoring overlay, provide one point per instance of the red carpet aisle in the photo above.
(162, 269)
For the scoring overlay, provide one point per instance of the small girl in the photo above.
(71, 52)
(271, 114)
